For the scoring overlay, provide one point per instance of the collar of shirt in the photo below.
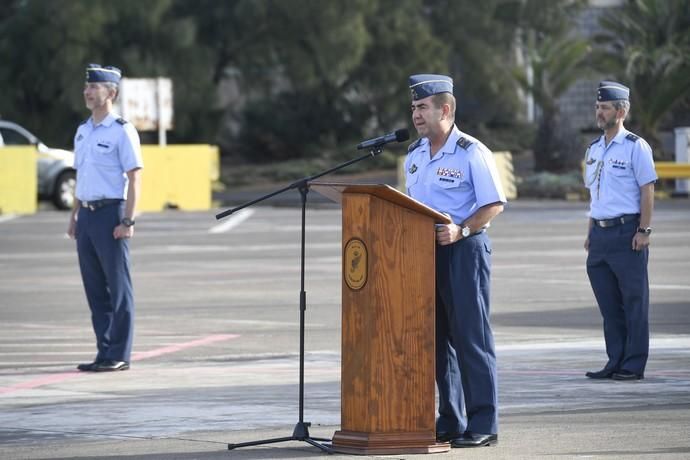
(107, 121)
(449, 147)
(618, 138)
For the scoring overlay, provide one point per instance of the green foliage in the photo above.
(275, 80)
(556, 65)
(556, 60)
(550, 185)
(646, 44)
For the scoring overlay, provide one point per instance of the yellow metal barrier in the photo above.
(672, 170)
(18, 183)
(178, 176)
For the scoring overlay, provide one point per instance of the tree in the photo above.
(556, 64)
(646, 44)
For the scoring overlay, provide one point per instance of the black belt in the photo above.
(98, 204)
(624, 219)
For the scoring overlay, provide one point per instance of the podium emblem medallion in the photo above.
(355, 259)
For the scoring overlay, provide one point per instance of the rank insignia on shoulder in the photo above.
(79, 137)
(591, 161)
(413, 169)
(465, 143)
(415, 144)
(122, 121)
(632, 137)
(594, 141)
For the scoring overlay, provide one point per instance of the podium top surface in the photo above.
(335, 190)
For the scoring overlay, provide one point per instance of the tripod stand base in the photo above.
(300, 433)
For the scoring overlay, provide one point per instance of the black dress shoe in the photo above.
(88, 367)
(110, 366)
(626, 375)
(444, 436)
(602, 374)
(475, 440)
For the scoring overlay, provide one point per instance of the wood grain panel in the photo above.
(388, 389)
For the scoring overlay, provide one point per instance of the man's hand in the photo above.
(447, 233)
(122, 231)
(72, 227)
(640, 241)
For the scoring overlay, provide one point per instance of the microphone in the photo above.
(400, 135)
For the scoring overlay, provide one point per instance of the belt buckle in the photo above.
(92, 207)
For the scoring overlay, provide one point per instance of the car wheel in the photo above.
(63, 194)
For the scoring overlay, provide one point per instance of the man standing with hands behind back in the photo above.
(620, 175)
(455, 174)
(108, 163)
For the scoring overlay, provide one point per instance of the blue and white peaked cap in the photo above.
(612, 91)
(425, 85)
(95, 73)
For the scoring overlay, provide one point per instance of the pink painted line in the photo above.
(137, 356)
(55, 378)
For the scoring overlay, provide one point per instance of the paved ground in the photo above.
(217, 340)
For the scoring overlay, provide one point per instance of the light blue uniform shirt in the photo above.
(103, 155)
(458, 180)
(615, 173)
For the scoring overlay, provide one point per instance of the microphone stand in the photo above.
(301, 430)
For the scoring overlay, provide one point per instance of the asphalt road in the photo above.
(216, 346)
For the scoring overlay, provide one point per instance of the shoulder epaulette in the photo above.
(594, 141)
(464, 143)
(122, 121)
(415, 144)
(632, 137)
(83, 122)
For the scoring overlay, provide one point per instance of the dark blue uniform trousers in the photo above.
(465, 358)
(104, 264)
(618, 276)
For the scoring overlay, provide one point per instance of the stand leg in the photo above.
(301, 431)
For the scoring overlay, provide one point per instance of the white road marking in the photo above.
(232, 221)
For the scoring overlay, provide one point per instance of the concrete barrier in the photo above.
(178, 176)
(175, 176)
(18, 182)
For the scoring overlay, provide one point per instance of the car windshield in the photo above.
(12, 137)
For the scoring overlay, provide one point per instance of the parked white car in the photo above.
(56, 174)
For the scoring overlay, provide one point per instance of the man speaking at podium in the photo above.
(455, 174)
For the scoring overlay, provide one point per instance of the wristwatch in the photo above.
(127, 222)
(465, 231)
(645, 230)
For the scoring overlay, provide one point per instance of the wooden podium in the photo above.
(388, 403)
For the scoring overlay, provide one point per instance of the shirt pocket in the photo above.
(105, 154)
(619, 170)
(448, 183)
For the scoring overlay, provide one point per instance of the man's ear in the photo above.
(446, 111)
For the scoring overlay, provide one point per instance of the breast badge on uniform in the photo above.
(618, 164)
(413, 169)
(449, 172)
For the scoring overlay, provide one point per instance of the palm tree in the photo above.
(555, 64)
(646, 44)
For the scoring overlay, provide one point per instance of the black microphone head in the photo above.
(402, 135)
